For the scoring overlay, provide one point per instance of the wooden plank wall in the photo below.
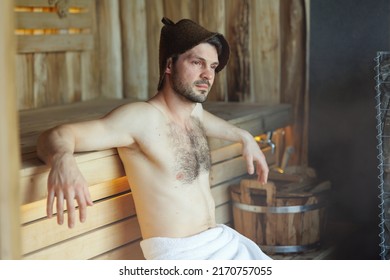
(9, 142)
(56, 55)
(114, 52)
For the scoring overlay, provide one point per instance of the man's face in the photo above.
(194, 71)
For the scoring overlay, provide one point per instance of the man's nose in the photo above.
(208, 74)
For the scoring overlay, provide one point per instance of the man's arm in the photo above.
(218, 128)
(56, 148)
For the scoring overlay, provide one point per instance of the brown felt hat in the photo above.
(182, 36)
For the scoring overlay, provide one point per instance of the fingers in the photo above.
(261, 167)
(262, 170)
(262, 173)
(60, 208)
(87, 196)
(71, 211)
(82, 208)
(83, 200)
(249, 165)
(49, 204)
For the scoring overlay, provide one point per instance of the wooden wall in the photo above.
(109, 48)
(77, 50)
(9, 142)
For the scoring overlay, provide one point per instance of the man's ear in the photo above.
(168, 66)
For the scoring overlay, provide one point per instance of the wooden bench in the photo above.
(111, 230)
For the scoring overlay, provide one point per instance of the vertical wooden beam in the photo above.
(293, 73)
(110, 48)
(25, 84)
(90, 59)
(154, 14)
(212, 16)
(238, 18)
(179, 9)
(9, 141)
(265, 51)
(135, 55)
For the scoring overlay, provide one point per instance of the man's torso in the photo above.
(168, 172)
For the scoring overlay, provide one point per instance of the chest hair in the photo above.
(191, 150)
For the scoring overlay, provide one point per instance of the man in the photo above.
(163, 146)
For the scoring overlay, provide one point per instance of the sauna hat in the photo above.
(182, 36)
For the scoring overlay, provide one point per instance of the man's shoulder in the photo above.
(139, 111)
(139, 107)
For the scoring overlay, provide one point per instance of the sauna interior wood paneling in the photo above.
(9, 141)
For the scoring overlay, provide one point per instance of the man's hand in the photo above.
(255, 157)
(65, 182)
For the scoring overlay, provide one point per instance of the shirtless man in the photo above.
(162, 142)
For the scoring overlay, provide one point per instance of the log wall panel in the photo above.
(9, 141)
(54, 43)
(47, 4)
(51, 32)
(110, 54)
(135, 55)
(265, 51)
(258, 31)
(33, 20)
(154, 14)
(56, 56)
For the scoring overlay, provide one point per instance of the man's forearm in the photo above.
(219, 128)
(55, 142)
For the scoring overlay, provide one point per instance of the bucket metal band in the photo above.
(278, 209)
(289, 248)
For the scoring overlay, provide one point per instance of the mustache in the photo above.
(202, 82)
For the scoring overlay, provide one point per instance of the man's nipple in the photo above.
(179, 176)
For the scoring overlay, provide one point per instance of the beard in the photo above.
(186, 90)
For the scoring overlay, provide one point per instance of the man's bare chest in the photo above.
(190, 150)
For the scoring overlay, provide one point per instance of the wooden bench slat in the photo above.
(131, 251)
(91, 244)
(46, 232)
(37, 210)
(33, 188)
(227, 170)
(32, 165)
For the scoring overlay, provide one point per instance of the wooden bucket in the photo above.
(280, 222)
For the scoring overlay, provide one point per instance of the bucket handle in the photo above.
(246, 185)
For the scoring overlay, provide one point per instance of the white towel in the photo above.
(219, 243)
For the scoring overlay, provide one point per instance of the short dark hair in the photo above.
(216, 42)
